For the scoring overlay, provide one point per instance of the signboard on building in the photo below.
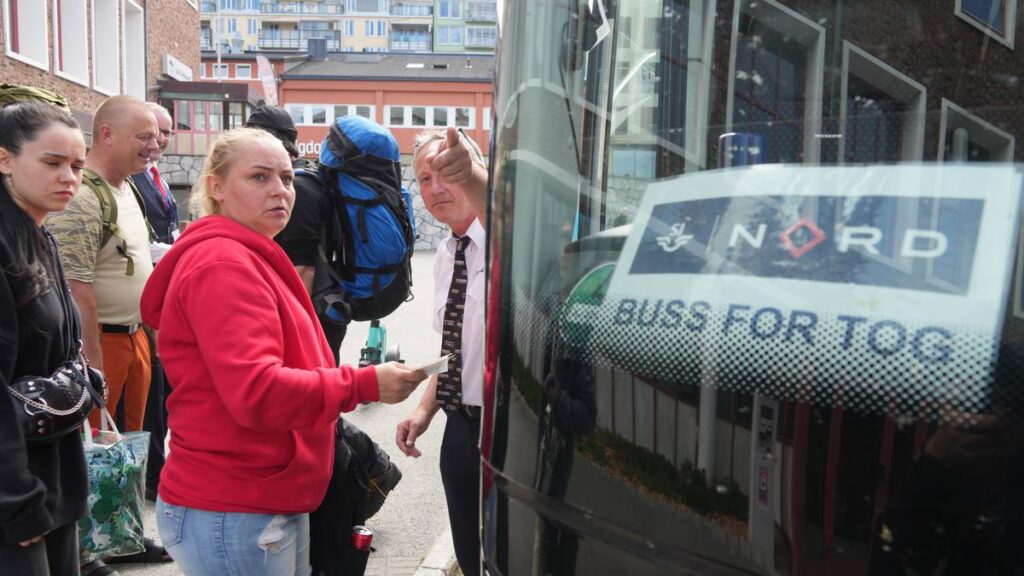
(177, 69)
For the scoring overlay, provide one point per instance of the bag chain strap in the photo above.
(49, 410)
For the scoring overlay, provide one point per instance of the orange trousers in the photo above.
(127, 368)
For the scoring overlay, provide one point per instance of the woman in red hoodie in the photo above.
(256, 395)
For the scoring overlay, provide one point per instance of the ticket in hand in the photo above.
(437, 366)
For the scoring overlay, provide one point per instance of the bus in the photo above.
(754, 300)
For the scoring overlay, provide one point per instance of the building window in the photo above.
(442, 34)
(481, 36)
(776, 81)
(297, 111)
(318, 114)
(381, 27)
(243, 71)
(253, 26)
(993, 17)
(106, 46)
(443, 9)
(368, 28)
(487, 118)
(456, 8)
(396, 116)
(70, 52)
(365, 112)
(968, 138)
(440, 117)
(220, 71)
(134, 58)
(25, 32)
(350, 28)
(881, 111)
(419, 116)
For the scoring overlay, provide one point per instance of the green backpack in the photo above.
(10, 93)
(108, 214)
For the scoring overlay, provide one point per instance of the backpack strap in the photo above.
(108, 215)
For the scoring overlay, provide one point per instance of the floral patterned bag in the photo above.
(117, 476)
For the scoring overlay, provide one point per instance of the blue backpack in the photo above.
(361, 168)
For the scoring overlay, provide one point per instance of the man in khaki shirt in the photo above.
(107, 279)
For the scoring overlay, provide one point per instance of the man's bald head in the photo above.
(124, 138)
(116, 110)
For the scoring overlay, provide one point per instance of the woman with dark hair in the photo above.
(43, 488)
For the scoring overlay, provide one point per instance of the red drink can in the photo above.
(361, 537)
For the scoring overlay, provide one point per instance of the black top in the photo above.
(311, 214)
(41, 487)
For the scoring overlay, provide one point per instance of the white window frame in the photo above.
(798, 28)
(991, 136)
(248, 71)
(1009, 20)
(214, 67)
(428, 116)
(43, 35)
(487, 118)
(101, 41)
(349, 110)
(885, 78)
(82, 49)
(133, 62)
(291, 107)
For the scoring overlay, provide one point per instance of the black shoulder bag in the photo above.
(51, 407)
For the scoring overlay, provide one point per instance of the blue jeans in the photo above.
(207, 543)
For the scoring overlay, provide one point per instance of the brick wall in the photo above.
(82, 98)
(172, 27)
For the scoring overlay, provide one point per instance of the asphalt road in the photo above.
(415, 514)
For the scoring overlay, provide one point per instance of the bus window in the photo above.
(760, 293)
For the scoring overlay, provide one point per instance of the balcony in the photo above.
(206, 7)
(302, 8)
(425, 10)
(298, 39)
(410, 45)
(482, 12)
(480, 42)
(205, 39)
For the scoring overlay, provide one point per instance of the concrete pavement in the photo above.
(414, 520)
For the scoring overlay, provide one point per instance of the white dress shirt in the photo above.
(472, 315)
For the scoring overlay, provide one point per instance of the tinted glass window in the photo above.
(759, 284)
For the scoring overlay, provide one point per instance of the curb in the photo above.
(440, 561)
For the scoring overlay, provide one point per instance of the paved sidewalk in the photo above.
(415, 517)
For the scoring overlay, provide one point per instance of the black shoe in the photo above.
(380, 486)
(152, 554)
(97, 568)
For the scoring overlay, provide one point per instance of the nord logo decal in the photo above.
(893, 241)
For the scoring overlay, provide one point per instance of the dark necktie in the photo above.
(449, 384)
(170, 208)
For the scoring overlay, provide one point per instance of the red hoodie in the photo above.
(255, 397)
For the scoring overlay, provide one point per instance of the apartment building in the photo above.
(349, 25)
(88, 50)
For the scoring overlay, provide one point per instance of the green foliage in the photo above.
(685, 485)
